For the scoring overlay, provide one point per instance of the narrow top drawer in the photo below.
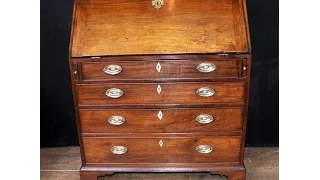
(164, 69)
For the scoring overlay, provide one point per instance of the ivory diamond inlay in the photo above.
(160, 115)
(158, 67)
(159, 89)
(160, 143)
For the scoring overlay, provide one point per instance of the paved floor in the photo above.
(64, 164)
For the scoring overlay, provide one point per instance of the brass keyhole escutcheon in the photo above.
(157, 3)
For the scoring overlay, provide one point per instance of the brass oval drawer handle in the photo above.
(116, 120)
(114, 93)
(112, 69)
(204, 149)
(157, 3)
(205, 92)
(119, 150)
(204, 119)
(206, 67)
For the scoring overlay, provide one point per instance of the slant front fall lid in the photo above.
(127, 27)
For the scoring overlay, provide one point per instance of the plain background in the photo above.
(58, 127)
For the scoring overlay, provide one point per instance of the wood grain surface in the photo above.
(174, 149)
(108, 27)
(171, 93)
(172, 120)
(141, 70)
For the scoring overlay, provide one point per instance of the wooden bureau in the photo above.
(160, 85)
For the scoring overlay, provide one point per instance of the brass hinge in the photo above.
(244, 67)
(75, 71)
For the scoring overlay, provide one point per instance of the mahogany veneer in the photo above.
(161, 85)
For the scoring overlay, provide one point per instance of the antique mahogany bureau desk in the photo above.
(160, 85)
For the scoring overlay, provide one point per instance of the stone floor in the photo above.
(64, 164)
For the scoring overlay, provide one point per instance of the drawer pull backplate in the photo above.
(112, 69)
(204, 149)
(204, 119)
(114, 93)
(205, 92)
(119, 150)
(116, 120)
(206, 67)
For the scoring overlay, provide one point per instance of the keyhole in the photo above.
(157, 3)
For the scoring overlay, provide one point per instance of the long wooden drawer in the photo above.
(160, 93)
(163, 69)
(161, 120)
(162, 150)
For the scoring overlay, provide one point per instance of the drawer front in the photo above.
(161, 121)
(161, 93)
(162, 150)
(145, 70)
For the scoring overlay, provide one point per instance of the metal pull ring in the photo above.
(112, 69)
(205, 92)
(119, 150)
(204, 149)
(206, 67)
(204, 119)
(114, 93)
(116, 120)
